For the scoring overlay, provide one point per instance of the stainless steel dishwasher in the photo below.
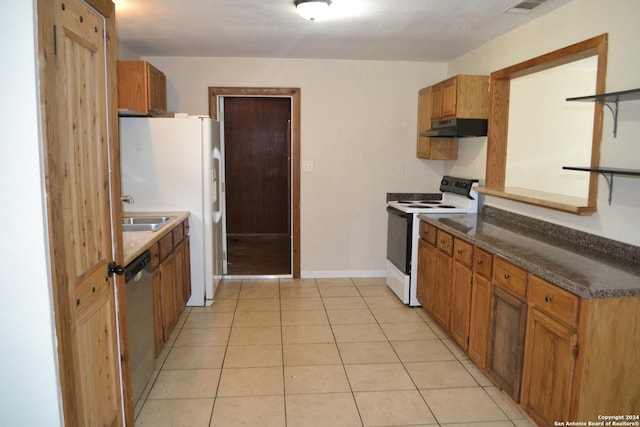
(139, 290)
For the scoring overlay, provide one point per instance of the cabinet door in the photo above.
(424, 110)
(461, 285)
(178, 290)
(442, 299)
(549, 369)
(157, 90)
(167, 294)
(432, 148)
(427, 268)
(186, 271)
(479, 320)
(449, 96)
(436, 101)
(506, 344)
(157, 312)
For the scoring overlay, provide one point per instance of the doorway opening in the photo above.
(260, 139)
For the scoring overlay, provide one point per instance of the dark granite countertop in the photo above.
(589, 272)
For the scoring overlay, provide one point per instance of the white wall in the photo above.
(30, 388)
(574, 22)
(358, 126)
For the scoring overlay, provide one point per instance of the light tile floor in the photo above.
(316, 352)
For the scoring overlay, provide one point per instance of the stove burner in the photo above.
(420, 206)
(430, 202)
(447, 206)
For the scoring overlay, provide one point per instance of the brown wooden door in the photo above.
(506, 343)
(76, 145)
(257, 162)
(549, 369)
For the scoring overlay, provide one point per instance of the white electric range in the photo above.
(459, 195)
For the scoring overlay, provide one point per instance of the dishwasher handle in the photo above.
(137, 265)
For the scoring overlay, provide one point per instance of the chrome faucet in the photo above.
(127, 199)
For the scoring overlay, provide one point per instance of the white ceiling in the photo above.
(410, 30)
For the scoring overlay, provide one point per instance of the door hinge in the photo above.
(575, 352)
(55, 41)
(114, 268)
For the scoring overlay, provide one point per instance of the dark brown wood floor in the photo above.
(258, 255)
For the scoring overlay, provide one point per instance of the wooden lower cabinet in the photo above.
(506, 341)
(480, 315)
(157, 312)
(442, 291)
(461, 286)
(427, 267)
(479, 319)
(186, 270)
(561, 357)
(171, 278)
(551, 351)
(168, 276)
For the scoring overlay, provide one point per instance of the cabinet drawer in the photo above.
(155, 255)
(166, 245)
(178, 233)
(555, 302)
(463, 252)
(445, 242)
(482, 263)
(428, 232)
(510, 277)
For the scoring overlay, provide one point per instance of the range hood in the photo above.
(457, 128)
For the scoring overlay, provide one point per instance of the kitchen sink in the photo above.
(144, 223)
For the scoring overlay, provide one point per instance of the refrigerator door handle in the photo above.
(216, 185)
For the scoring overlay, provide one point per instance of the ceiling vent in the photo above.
(524, 7)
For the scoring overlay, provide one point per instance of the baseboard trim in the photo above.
(342, 273)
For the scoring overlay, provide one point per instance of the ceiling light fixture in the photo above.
(313, 9)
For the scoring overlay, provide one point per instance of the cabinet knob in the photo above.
(479, 262)
(547, 298)
(459, 251)
(507, 276)
(442, 242)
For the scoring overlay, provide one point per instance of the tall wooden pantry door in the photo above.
(73, 65)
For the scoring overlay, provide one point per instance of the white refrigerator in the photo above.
(175, 164)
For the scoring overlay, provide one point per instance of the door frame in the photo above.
(295, 95)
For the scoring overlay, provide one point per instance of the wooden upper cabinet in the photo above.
(462, 96)
(142, 89)
(432, 148)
